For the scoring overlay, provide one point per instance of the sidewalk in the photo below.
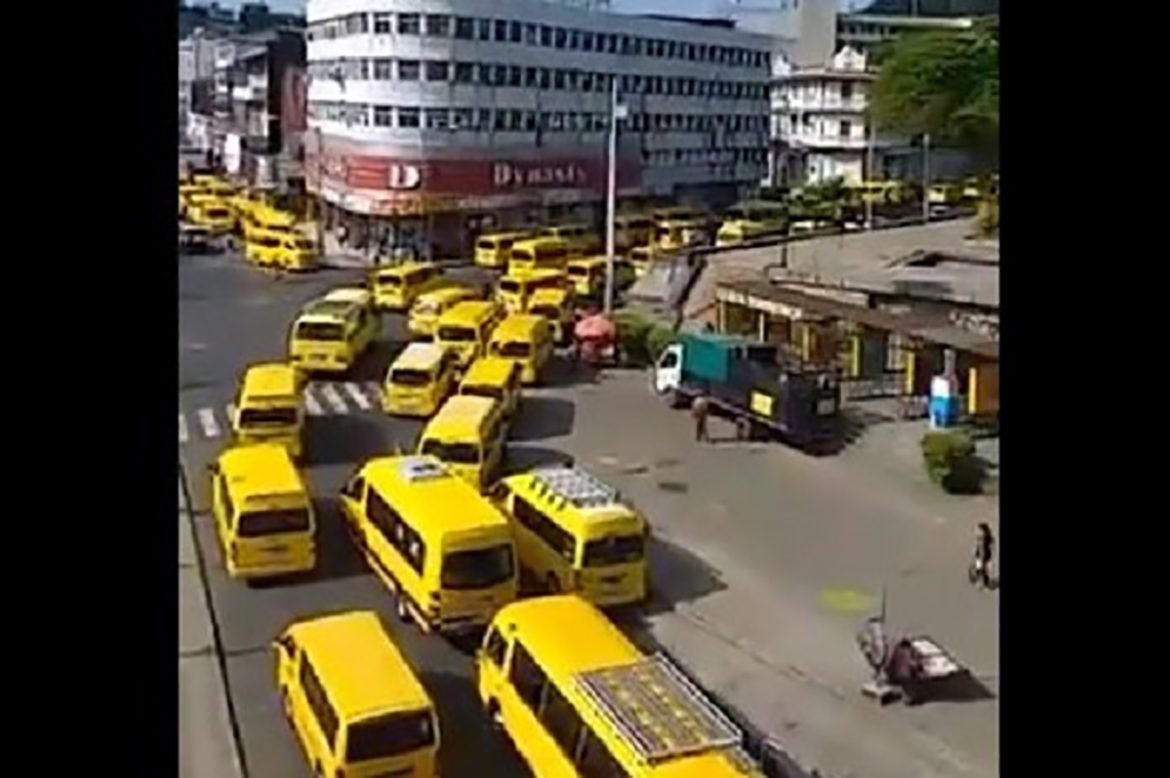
(206, 744)
(768, 561)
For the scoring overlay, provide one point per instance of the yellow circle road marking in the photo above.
(847, 600)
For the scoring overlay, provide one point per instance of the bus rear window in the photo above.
(389, 280)
(256, 524)
(410, 377)
(268, 417)
(456, 453)
(457, 334)
(513, 350)
(547, 311)
(511, 287)
(480, 390)
(320, 331)
(486, 245)
(577, 270)
(617, 550)
(523, 256)
(477, 569)
(386, 736)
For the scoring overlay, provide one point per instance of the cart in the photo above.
(595, 340)
(915, 668)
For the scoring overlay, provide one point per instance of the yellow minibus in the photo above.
(467, 435)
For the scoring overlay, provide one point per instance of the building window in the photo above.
(559, 79)
(530, 121)
(516, 120)
(846, 129)
(627, 44)
(438, 25)
(545, 35)
(501, 75)
(545, 78)
(383, 116)
(382, 24)
(462, 118)
(574, 40)
(484, 28)
(356, 24)
(501, 30)
(409, 24)
(587, 41)
(483, 120)
(586, 82)
(530, 34)
(408, 117)
(560, 37)
(464, 73)
(408, 70)
(437, 71)
(515, 32)
(530, 77)
(846, 90)
(515, 75)
(464, 28)
(383, 69)
(437, 118)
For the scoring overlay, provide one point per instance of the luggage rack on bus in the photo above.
(573, 485)
(657, 710)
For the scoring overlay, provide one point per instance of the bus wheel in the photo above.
(552, 584)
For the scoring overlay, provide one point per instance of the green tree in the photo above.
(946, 83)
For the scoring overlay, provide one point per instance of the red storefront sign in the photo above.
(471, 178)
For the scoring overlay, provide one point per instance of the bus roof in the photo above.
(517, 325)
(260, 470)
(498, 236)
(327, 309)
(570, 637)
(576, 496)
(403, 269)
(348, 294)
(449, 291)
(489, 370)
(468, 312)
(366, 672)
(421, 483)
(418, 356)
(538, 274)
(270, 379)
(460, 416)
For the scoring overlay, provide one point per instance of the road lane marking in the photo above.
(312, 406)
(333, 399)
(207, 419)
(182, 428)
(353, 391)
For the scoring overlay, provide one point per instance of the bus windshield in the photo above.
(320, 331)
(457, 453)
(477, 569)
(255, 524)
(615, 550)
(456, 334)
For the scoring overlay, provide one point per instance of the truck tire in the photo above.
(676, 399)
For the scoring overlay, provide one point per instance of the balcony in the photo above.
(855, 104)
(819, 140)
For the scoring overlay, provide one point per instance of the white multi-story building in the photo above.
(430, 115)
(196, 63)
(863, 32)
(819, 127)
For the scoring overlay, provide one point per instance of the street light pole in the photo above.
(611, 191)
(320, 156)
(926, 177)
(868, 174)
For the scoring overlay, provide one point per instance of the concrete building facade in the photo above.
(440, 116)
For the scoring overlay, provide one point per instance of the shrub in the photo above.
(658, 338)
(950, 461)
(631, 333)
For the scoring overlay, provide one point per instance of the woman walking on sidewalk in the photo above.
(980, 570)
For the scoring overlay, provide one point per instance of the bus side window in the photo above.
(561, 720)
(595, 761)
(495, 647)
(527, 677)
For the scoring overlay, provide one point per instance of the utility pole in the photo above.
(616, 112)
(868, 173)
(320, 165)
(926, 177)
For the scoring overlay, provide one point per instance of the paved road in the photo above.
(231, 315)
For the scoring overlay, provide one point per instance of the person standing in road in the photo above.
(984, 551)
(699, 409)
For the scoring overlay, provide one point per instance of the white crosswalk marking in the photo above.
(182, 428)
(333, 399)
(312, 406)
(358, 397)
(207, 420)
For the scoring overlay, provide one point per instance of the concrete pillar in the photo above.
(720, 316)
(762, 326)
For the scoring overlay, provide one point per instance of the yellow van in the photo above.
(631, 230)
(496, 378)
(467, 435)
(680, 227)
(579, 700)
(750, 221)
(396, 287)
(495, 249)
(642, 259)
(574, 533)
(527, 340)
(429, 306)
(329, 335)
(265, 218)
(262, 512)
(466, 328)
(211, 212)
(529, 256)
(419, 380)
(556, 305)
(580, 239)
(352, 699)
(269, 406)
(442, 548)
(513, 292)
(287, 250)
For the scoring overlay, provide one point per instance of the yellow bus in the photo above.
(681, 227)
(556, 305)
(466, 329)
(579, 700)
(750, 221)
(418, 381)
(496, 378)
(538, 254)
(527, 340)
(574, 533)
(429, 306)
(495, 249)
(439, 546)
(352, 699)
(396, 287)
(270, 407)
(287, 250)
(467, 435)
(330, 335)
(632, 230)
(514, 292)
(581, 238)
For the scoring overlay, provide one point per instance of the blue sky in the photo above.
(694, 7)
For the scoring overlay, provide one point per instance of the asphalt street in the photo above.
(231, 315)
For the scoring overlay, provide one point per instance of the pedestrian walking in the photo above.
(700, 407)
(980, 572)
